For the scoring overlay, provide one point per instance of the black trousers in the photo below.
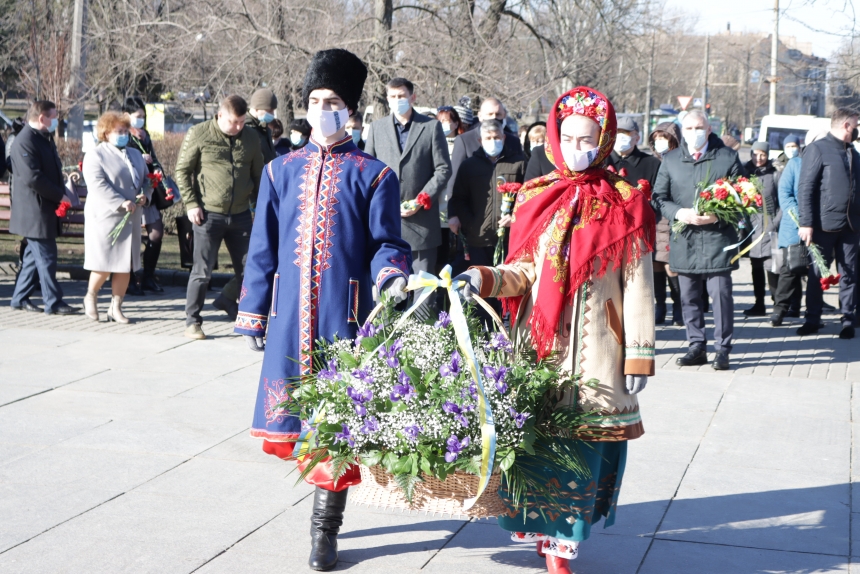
(760, 271)
(844, 242)
(235, 232)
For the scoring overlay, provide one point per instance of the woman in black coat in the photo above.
(763, 169)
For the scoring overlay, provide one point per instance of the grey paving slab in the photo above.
(667, 557)
(779, 510)
(137, 382)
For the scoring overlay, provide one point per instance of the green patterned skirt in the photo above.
(576, 503)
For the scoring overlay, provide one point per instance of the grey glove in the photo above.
(257, 344)
(396, 289)
(636, 383)
(471, 286)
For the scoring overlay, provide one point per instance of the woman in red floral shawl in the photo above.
(579, 285)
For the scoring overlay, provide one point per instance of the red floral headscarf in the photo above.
(590, 215)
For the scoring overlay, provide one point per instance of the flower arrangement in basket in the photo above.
(427, 401)
(509, 193)
(828, 278)
(729, 200)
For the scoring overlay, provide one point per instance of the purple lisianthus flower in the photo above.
(345, 436)
(458, 412)
(452, 368)
(519, 418)
(402, 391)
(499, 343)
(358, 399)
(497, 376)
(444, 320)
(412, 432)
(371, 425)
(473, 390)
(363, 375)
(390, 354)
(368, 330)
(330, 374)
(455, 446)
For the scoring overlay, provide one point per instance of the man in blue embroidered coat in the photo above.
(327, 229)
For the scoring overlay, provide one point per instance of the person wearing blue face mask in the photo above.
(261, 112)
(37, 190)
(414, 146)
(353, 128)
(475, 208)
(116, 186)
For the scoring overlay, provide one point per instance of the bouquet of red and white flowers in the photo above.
(422, 201)
(728, 200)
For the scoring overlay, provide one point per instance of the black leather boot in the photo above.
(150, 259)
(326, 520)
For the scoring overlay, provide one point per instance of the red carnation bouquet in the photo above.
(728, 200)
(509, 192)
(63, 209)
(422, 201)
(828, 278)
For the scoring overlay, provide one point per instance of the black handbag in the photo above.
(796, 258)
(164, 195)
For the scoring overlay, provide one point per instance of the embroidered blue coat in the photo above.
(327, 228)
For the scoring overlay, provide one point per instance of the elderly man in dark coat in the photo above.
(36, 194)
(697, 253)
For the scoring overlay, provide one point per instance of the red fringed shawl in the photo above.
(597, 219)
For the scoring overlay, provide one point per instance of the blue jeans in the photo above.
(40, 255)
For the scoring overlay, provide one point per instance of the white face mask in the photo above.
(577, 160)
(790, 152)
(623, 143)
(492, 147)
(401, 106)
(695, 139)
(661, 146)
(297, 139)
(137, 122)
(326, 123)
(447, 128)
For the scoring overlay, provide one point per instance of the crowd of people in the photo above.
(319, 221)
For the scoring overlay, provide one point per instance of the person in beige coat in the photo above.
(579, 286)
(116, 185)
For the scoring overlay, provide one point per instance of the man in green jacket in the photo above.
(261, 112)
(218, 173)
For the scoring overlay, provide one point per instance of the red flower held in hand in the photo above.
(721, 194)
(424, 200)
(645, 187)
(758, 200)
(623, 172)
(63, 209)
(611, 169)
(706, 195)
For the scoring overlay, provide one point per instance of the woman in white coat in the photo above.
(116, 185)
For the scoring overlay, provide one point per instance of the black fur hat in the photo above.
(337, 70)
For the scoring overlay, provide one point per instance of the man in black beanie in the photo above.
(326, 235)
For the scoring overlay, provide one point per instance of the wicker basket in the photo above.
(378, 488)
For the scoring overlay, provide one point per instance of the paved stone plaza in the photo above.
(126, 449)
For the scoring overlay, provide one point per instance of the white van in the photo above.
(774, 129)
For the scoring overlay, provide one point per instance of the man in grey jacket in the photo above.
(698, 253)
(830, 216)
(37, 191)
(414, 146)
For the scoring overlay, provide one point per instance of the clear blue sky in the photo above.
(822, 22)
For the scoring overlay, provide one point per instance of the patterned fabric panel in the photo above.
(251, 322)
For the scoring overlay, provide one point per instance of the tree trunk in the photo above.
(383, 10)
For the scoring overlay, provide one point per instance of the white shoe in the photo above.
(115, 311)
(91, 309)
